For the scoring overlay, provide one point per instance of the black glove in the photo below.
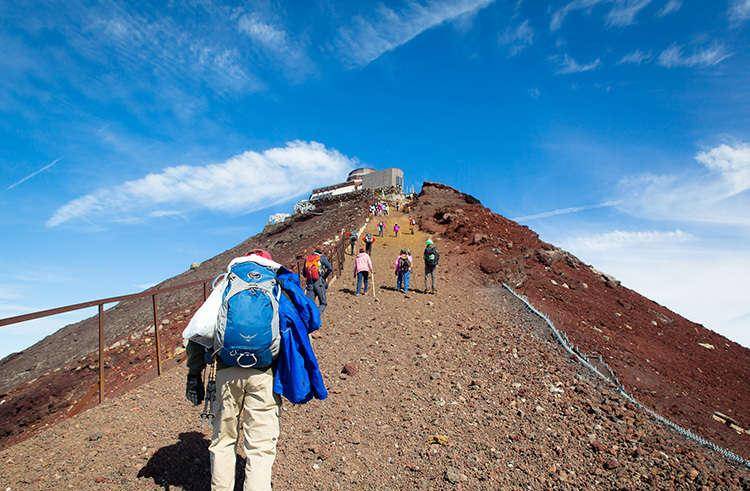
(194, 390)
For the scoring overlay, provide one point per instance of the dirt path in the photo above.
(461, 389)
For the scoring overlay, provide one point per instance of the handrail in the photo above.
(93, 303)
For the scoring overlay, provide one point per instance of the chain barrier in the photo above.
(612, 379)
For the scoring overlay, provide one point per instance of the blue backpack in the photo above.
(247, 331)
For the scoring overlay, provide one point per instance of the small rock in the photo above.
(438, 439)
(94, 437)
(452, 475)
(693, 474)
(350, 369)
(611, 464)
(434, 375)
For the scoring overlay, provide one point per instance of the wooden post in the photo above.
(205, 292)
(101, 353)
(156, 334)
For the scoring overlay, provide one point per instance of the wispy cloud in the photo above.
(636, 57)
(622, 239)
(558, 16)
(276, 41)
(246, 182)
(623, 13)
(366, 39)
(568, 65)
(674, 56)
(517, 38)
(716, 192)
(739, 11)
(566, 211)
(670, 7)
(36, 172)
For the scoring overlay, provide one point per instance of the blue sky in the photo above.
(138, 138)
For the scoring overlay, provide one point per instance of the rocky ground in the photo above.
(463, 389)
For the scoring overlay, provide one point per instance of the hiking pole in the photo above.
(208, 414)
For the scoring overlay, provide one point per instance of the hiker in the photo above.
(248, 395)
(431, 258)
(352, 242)
(362, 270)
(368, 239)
(316, 271)
(396, 228)
(381, 228)
(412, 224)
(402, 267)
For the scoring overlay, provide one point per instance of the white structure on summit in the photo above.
(363, 178)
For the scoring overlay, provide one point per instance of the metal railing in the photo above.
(100, 303)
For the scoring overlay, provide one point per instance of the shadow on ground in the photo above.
(186, 465)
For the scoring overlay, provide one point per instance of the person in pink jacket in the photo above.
(362, 270)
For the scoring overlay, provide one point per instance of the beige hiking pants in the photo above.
(244, 400)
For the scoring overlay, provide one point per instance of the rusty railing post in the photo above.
(101, 353)
(156, 334)
(205, 293)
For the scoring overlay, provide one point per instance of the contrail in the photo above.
(566, 211)
(33, 174)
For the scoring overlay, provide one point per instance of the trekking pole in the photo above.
(208, 414)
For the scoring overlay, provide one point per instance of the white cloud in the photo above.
(517, 38)
(718, 193)
(534, 93)
(673, 56)
(623, 13)
(568, 65)
(558, 17)
(670, 7)
(624, 239)
(276, 41)
(246, 182)
(739, 11)
(637, 57)
(731, 162)
(366, 39)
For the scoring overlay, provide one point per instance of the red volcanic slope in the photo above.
(654, 351)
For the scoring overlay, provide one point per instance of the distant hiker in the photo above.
(412, 224)
(381, 228)
(362, 270)
(431, 259)
(368, 239)
(396, 228)
(402, 267)
(316, 271)
(261, 301)
(352, 242)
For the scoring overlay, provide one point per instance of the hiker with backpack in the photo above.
(368, 239)
(254, 331)
(316, 271)
(396, 228)
(352, 242)
(412, 224)
(402, 267)
(381, 228)
(362, 270)
(431, 259)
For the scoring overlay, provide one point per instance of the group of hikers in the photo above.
(379, 208)
(252, 337)
(381, 226)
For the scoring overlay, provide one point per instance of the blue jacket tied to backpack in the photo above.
(297, 375)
